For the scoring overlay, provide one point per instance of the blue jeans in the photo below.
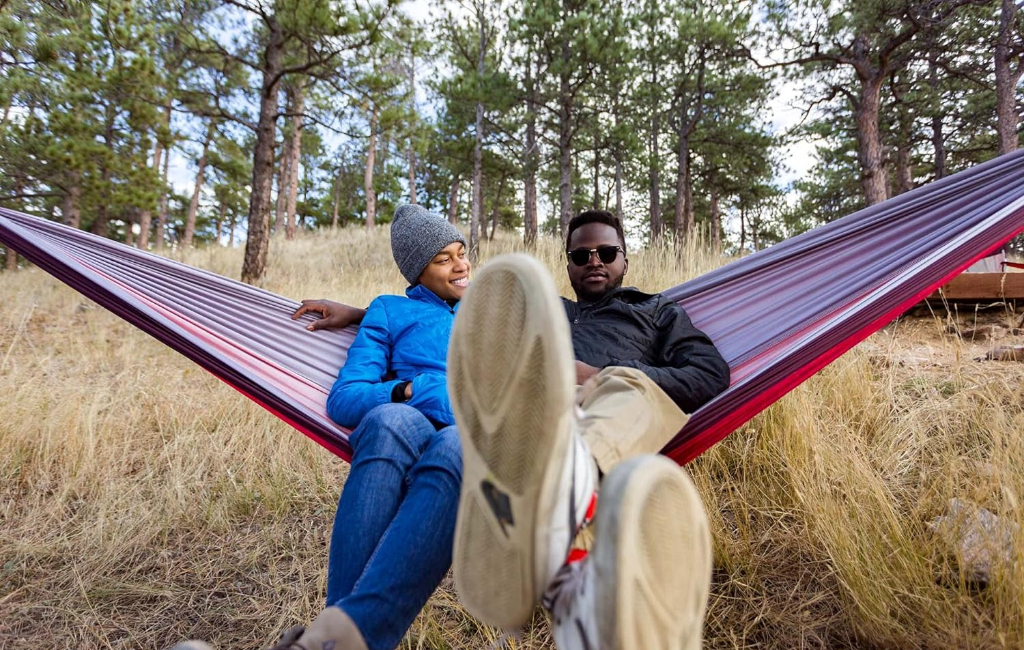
(393, 533)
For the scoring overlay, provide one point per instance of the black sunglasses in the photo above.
(607, 254)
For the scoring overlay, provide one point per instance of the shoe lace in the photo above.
(568, 585)
(289, 639)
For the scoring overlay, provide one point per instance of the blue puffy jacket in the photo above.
(400, 339)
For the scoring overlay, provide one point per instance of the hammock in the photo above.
(778, 316)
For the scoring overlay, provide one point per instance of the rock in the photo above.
(978, 538)
(984, 333)
(1005, 353)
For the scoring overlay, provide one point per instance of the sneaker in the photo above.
(528, 477)
(331, 630)
(645, 583)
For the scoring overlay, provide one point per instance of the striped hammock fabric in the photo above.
(778, 316)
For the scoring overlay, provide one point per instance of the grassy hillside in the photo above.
(142, 501)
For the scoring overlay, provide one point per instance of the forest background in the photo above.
(142, 501)
(166, 123)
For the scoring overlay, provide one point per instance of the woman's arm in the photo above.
(334, 314)
(361, 383)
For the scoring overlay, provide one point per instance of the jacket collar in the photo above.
(626, 294)
(423, 294)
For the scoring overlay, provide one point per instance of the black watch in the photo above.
(398, 392)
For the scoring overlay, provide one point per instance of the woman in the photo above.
(392, 539)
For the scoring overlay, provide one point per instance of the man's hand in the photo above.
(584, 372)
(335, 315)
(408, 391)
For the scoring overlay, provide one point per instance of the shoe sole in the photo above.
(652, 557)
(511, 381)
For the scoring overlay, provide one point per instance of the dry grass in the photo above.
(142, 501)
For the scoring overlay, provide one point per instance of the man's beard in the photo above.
(587, 296)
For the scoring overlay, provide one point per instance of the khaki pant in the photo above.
(626, 414)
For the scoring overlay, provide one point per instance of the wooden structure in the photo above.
(1006, 286)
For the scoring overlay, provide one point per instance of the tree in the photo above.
(193, 208)
(476, 53)
(294, 37)
(572, 38)
(1009, 66)
(650, 22)
(873, 40)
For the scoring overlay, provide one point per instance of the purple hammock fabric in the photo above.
(778, 316)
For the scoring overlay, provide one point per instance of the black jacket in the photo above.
(654, 335)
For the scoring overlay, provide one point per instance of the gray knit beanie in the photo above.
(417, 235)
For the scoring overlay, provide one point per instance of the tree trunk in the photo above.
(101, 226)
(129, 228)
(597, 172)
(145, 225)
(654, 173)
(371, 154)
(281, 202)
(146, 216)
(70, 208)
(219, 226)
(869, 141)
(257, 242)
(743, 232)
(904, 169)
(476, 210)
(497, 205)
(161, 219)
(618, 170)
(938, 140)
(618, 185)
(193, 206)
(691, 223)
(716, 223)
(11, 263)
(231, 229)
(530, 158)
(410, 158)
(564, 144)
(298, 105)
(476, 207)
(682, 209)
(337, 196)
(383, 150)
(1007, 77)
(453, 201)
(904, 145)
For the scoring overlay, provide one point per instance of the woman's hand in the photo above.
(335, 315)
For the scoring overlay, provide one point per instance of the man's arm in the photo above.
(689, 367)
(334, 314)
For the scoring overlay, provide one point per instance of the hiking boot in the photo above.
(331, 630)
(645, 583)
(528, 477)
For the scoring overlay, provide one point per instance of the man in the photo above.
(534, 448)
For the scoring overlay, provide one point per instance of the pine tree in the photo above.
(872, 40)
